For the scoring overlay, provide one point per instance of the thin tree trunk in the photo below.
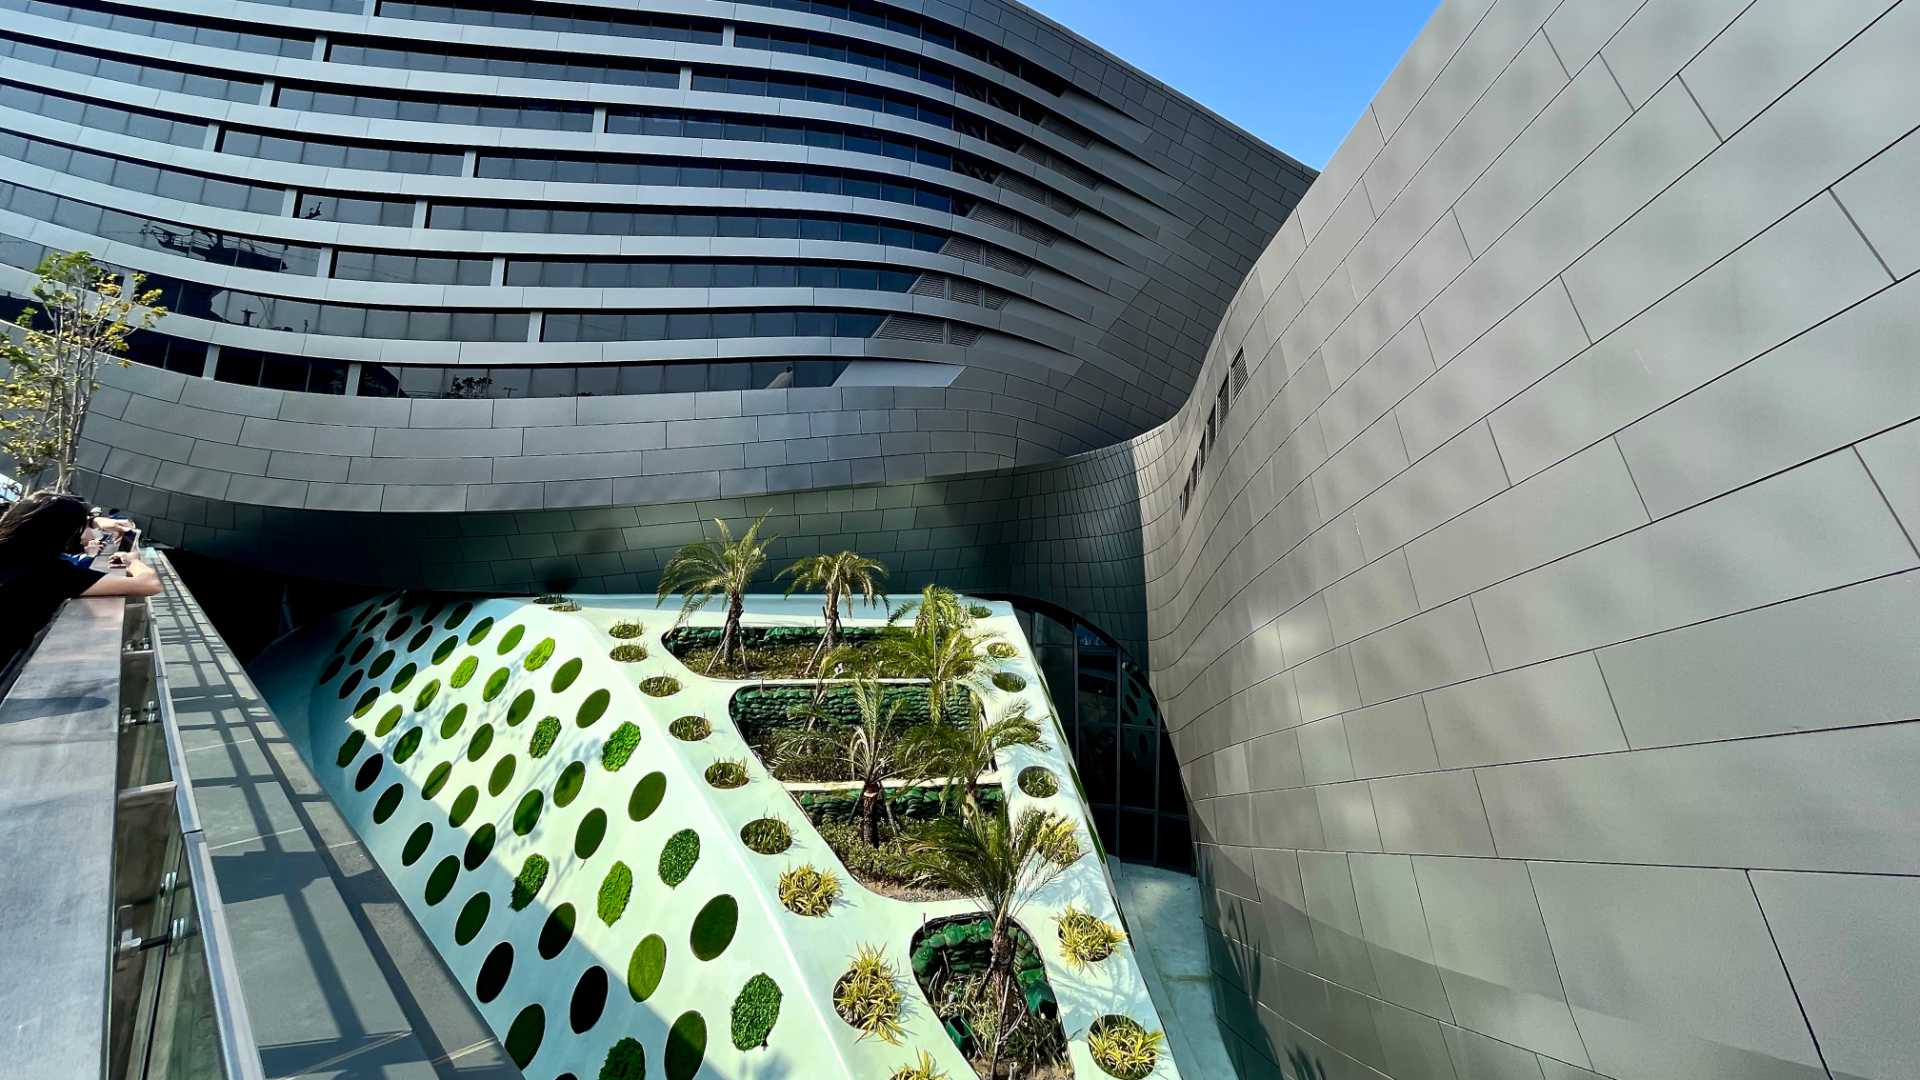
(870, 813)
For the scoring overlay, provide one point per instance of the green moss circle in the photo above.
(381, 663)
(646, 796)
(686, 1046)
(510, 639)
(526, 884)
(436, 779)
(450, 724)
(350, 748)
(647, 967)
(538, 656)
(463, 805)
(567, 788)
(408, 743)
(463, 672)
(389, 802)
(527, 814)
(755, 1012)
(592, 830)
(404, 676)
(496, 685)
(501, 776)
(713, 927)
(544, 734)
(564, 675)
(445, 648)
(593, 708)
(521, 707)
(660, 686)
(426, 695)
(619, 746)
(690, 728)
(458, 615)
(524, 1037)
(481, 742)
(479, 846)
(479, 631)
(473, 916)
(388, 720)
(440, 882)
(678, 856)
(615, 890)
(365, 704)
(416, 845)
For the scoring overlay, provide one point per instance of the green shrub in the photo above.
(1008, 681)
(759, 709)
(923, 1068)
(755, 1012)
(767, 835)
(868, 996)
(648, 965)
(614, 892)
(496, 685)
(1000, 650)
(538, 656)
(906, 804)
(1123, 1048)
(660, 686)
(727, 773)
(979, 611)
(690, 728)
(619, 746)
(808, 890)
(626, 1060)
(544, 734)
(463, 674)
(625, 630)
(682, 850)
(890, 863)
(713, 927)
(686, 1046)
(628, 654)
(533, 874)
(1039, 782)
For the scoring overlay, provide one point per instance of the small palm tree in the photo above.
(945, 658)
(1001, 865)
(961, 752)
(938, 609)
(839, 577)
(725, 567)
(873, 751)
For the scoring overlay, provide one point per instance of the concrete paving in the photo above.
(1173, 957)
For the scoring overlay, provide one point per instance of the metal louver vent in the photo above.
(963, 335)
(912, 328)
(930, 285)
(1006, 261)
(966, 292)
(993, 298)
(1066, 131)
(1239, 372)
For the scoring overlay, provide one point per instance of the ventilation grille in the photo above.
(1047, 159)
(1033, 191)
(960, 291)
(964, 292)
(913, 328)
(930, 285)
(963, 335)
(1066, 131)
(974, 251)
(1239, 372)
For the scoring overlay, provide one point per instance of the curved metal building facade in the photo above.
(513, 255)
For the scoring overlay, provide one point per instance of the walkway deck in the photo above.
(339, 979)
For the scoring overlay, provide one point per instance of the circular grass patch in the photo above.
(690, 728)
(479, 846)
(557, 931)
(416, 845)
(510, 639)
(592, 830)
(626, 630)
(521, 708)
(440, 881)
(458, 615)
(538, 656)
(980, 611)
(589, 999)
(647, 966)
(527, 814)
(713, 927)
(1000, 650)
(365, 704)
(526, 884)
(381, 663)
(436, 779)
(388, 720)
(755, 1012)
(678, 856)
(619, 746)
(473, 916)
(408, 744)
(445, 648)
(389, 802)
(494, 971)
(426, 695)
(350, 748)
(593, 708)
(479, 631)
(727, 774)
(615, 890)
(660, 686)
(463, 805)
(767, 835)
(628, 654)
(525, 1035)
(481, 742)
(686, 1046)
(450, 724)
(1039, 782)
(463, 672)
(501, 776)
(564, 675)
(646, 796)
(404, 676)
(1008, 681)
(496, 684)
(567, 788)
(544, 734)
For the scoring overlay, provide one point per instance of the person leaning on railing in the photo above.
(38, 536)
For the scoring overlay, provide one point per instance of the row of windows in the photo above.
(277, 371)
(820, 133)
(618, 274)
(139, 124)
(206, 245)
(476, 62)
(176, 27)
(348, 7)
(706, 172)
(415, 269)
(883, 16)
(483, 111)
(592, 222)
(334, 154)
(598, 380)
(700, 325)
(823, 90)
(349, 210)
(559, 18)
(151, 74)
(136, 176)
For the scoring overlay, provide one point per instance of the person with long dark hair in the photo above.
(36, 535)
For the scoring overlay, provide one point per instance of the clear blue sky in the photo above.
(1297, 73)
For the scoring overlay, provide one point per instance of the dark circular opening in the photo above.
(440, 882)
(501, 776)
(523, 1038)
(333, 668)
(647, 795)
(360, 651)
(686, 1046)
(388, 721)
(564, 677)
(419, 639)
(369, 772)
(473, 916)
(399, 626)
(409, 742)
(557, 932)
(482, 742)
(404, 676)
(389, 802)
(713, 928)
(416, 845)
(527, 814)
(437, 779)
(589, 999)
(366, 701)
(450, 724)
(380, 664)
(350, 748)
(463, 805)
(479, 846)
(522, 705)
(567, 788)
(458, 615)
(593, 829)
(594, 707)
(347, 687)
(493, 973)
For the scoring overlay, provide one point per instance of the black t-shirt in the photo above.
(31, 591)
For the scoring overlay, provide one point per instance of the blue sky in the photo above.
(1297, 73)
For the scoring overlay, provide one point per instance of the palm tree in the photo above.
(944, 658)
(937, 609)
(1003, 866)
(839, 577)
(873, 750)
(725, 567)
(961, 752)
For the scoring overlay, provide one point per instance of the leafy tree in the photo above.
(52, 369)
(839, 577)
(938, 609)
(945, 657)
(999, 864)
(960, 752)
(873, 751)
(725, 567)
